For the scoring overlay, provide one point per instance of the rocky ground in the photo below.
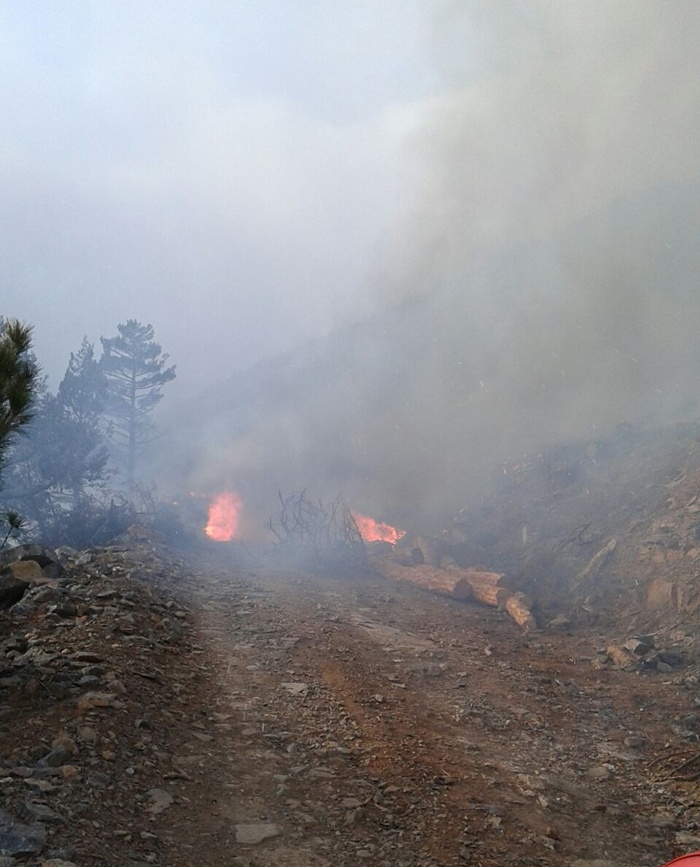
(170, 711)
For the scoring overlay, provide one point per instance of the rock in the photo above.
(671, 657)
(96, 699)
(160, 800)
(663, 594)
(12, 589)
(64, 608)
(599, 773)
(250, 834)
(296, 688)
(86, 656)
(19, 839)
(45, 557)
(36, 811)
(98, 780)
(57, 757)
(25, 570)
(638, 646)
(69, 772)
(88, 735)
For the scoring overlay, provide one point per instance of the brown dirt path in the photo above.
(267, 720)
(373, 722)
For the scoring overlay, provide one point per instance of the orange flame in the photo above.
(374, 531)
(224, 516)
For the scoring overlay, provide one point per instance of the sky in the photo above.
(246, 175)
(225, 171)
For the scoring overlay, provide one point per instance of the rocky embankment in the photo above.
(97, 678)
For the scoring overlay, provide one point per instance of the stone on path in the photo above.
(160, 800)
(19, 839)
(253, 833)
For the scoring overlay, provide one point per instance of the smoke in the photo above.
(543, 286)
(552, 110)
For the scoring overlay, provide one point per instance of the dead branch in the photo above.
(324, 534)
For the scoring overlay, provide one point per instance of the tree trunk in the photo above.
(427, 577)
(131, 457)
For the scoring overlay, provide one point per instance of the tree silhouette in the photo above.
(134, 366)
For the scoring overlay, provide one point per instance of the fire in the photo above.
(224, 515)
(374, 531)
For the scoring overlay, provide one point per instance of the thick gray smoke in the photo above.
(544, 287)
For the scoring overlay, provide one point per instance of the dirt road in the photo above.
(371, 722)
(196, 713)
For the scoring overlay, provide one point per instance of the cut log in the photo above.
(487, 587)
(520, 609)
(481, 576)
(622, 657)
(488, 594)
(438, 580)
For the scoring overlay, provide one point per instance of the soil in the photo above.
(243, 716)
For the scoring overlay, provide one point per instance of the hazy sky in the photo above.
(243, 174)
(226, 170)
(540, 199)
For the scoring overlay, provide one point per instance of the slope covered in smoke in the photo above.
(407, 411)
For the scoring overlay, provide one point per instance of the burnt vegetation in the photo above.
(320, 536)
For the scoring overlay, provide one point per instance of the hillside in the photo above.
(555, 340)
(546, 518)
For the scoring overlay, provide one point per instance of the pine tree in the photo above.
(19, 375)
(134, 366)
(19, 378)
(83, 389)
(58, 469)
